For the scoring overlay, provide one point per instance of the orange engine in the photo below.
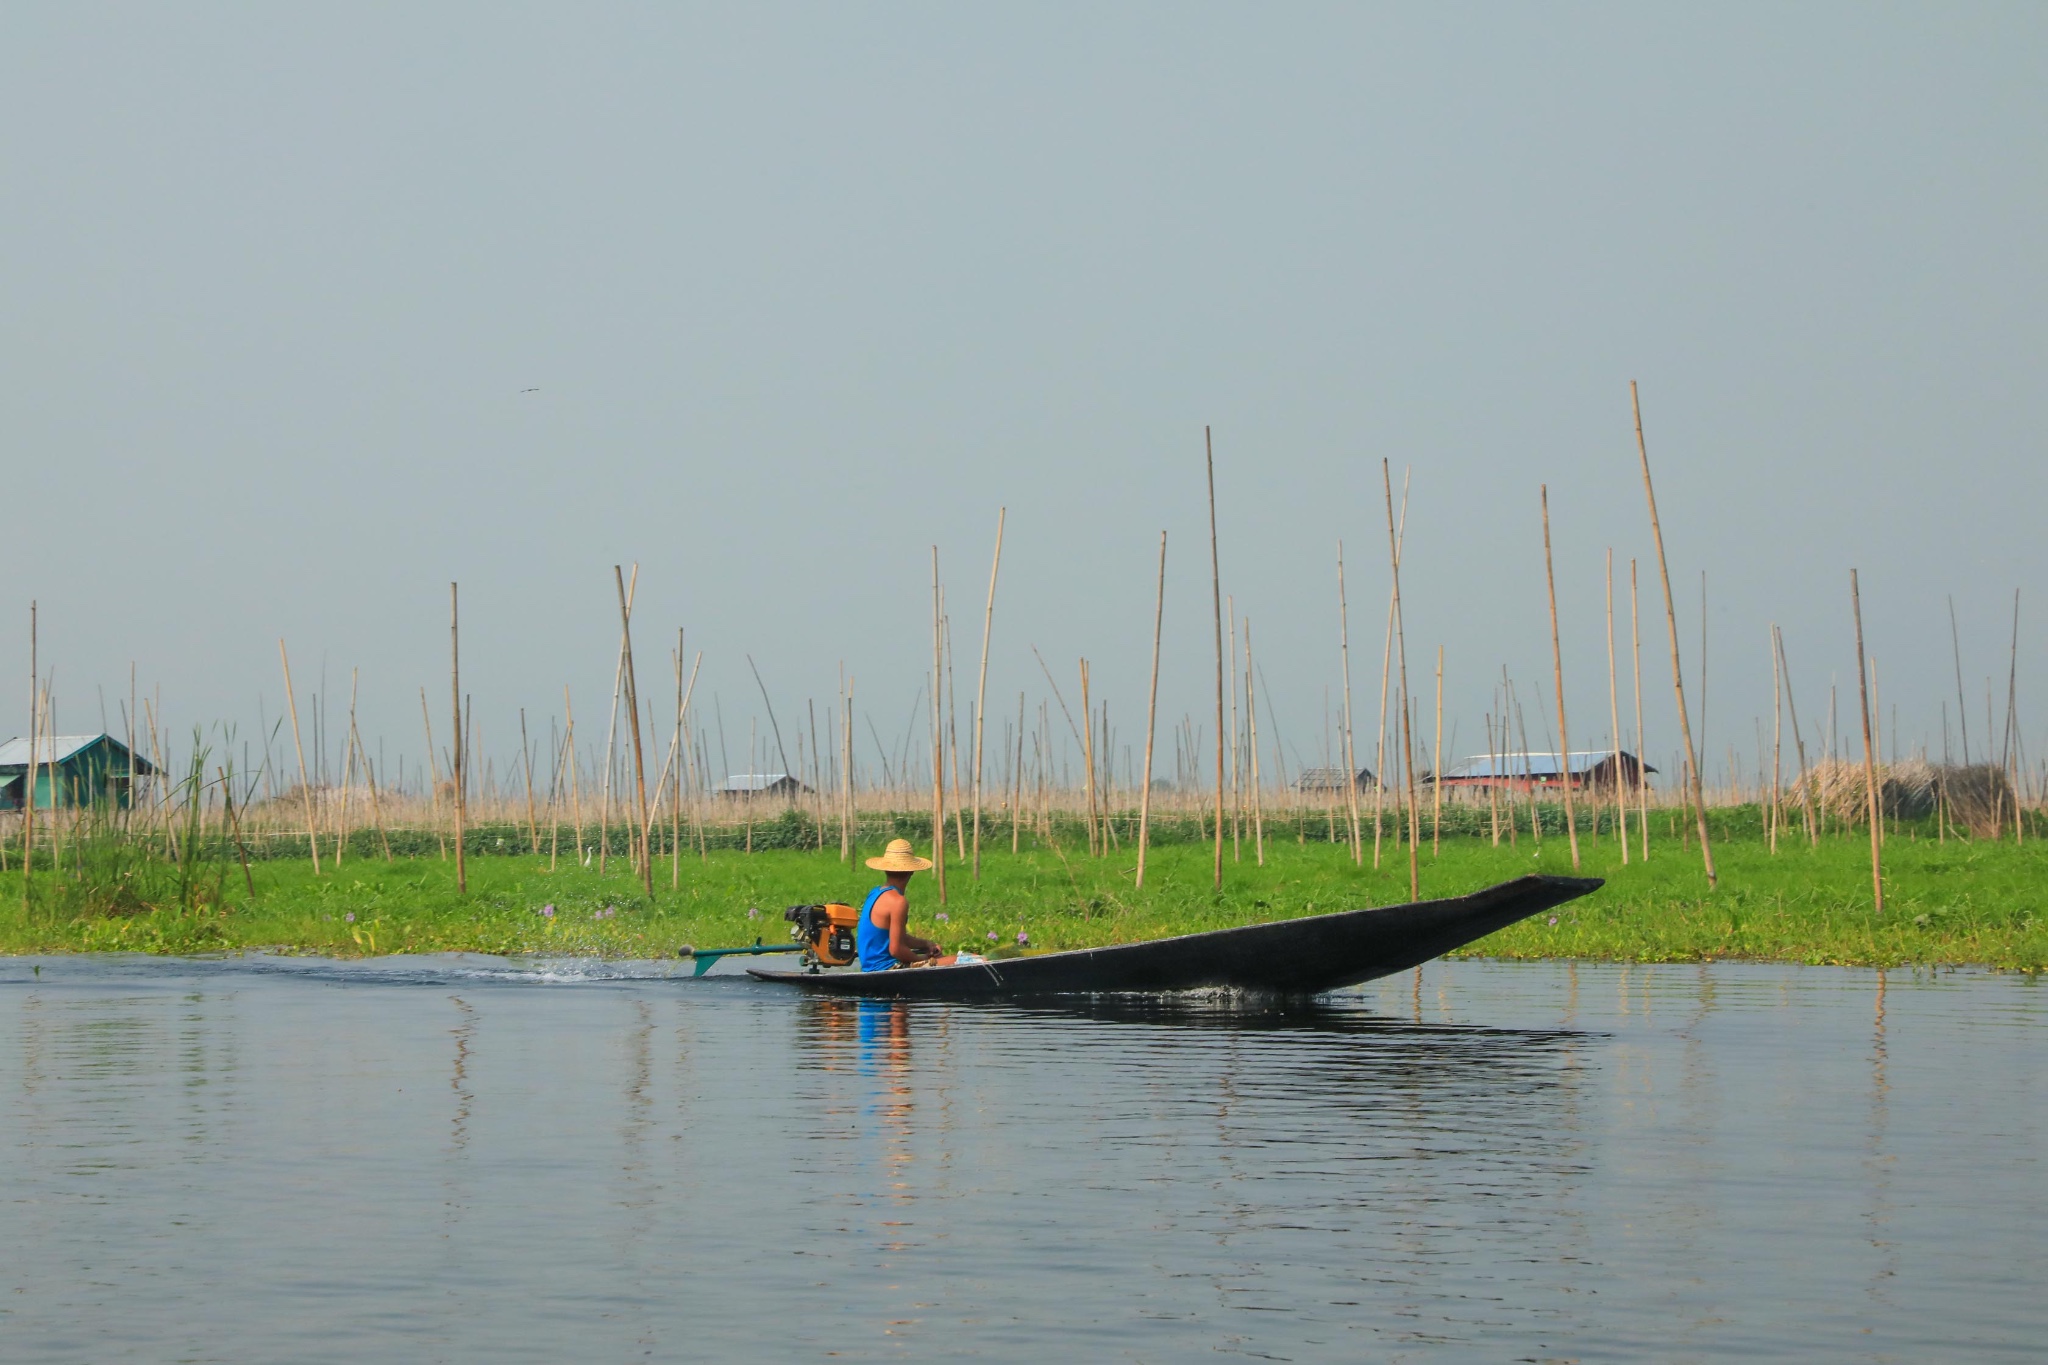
(826, 931)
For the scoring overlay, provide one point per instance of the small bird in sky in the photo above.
(533, 390)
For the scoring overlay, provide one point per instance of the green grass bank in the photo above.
(1954, 902)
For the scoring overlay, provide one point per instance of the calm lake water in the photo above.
(472, 1159)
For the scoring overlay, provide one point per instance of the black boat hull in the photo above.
(1294, 957)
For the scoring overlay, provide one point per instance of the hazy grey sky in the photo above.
(805, 290)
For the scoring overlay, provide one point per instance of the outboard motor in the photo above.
(826, 931)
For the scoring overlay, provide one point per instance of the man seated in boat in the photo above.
(883, 938)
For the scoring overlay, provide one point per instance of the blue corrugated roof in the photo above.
(1531, 765)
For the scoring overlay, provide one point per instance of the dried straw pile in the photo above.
(1979, 797)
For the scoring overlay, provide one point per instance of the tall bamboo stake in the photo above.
(633, 708)
(305, 788)
(1236, 801)
(988, 621)
(1350, 750)
(1251, 712)
(458, 756)
(1216, 591)
(1379, 744)
(1777, 740)
(1869, 755)
(434, 775)
(1571, 824)
(1095, 842)
(1436, 766)
(348, 768)
(1671, 620)
(938, 736)
(1394, 539)
(526, 755)
(1798, 742)
(28, 777)
(1635, 645)
(1614, 720)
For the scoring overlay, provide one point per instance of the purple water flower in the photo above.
(991, 936)
(548, 910)
(943, 918)
(1023, 939)
(350, 917)
(1553, 919)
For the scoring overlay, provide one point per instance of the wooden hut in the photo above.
(760, 786)
(1327, 780)
(1523, 772)
(69, 771)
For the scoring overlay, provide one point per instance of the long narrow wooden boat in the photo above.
(1295, 956)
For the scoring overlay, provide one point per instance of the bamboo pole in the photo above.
(370, 777)
(988, 621)
(1017, 778)
(1095, 842)
(433, 776)
(569, 761)
(457, 758)
(1395, 535)
(1251, 712)
(1635, 644)
(28, 777)
(646, 859)
(1236, 801)
(1671, 619)
(1216, 591)
(1350, 749)
(938, 736)
(1436, 770)
(1869, 755)
(1571, 824)
(526, 755)
(348, 768)
(1614, 718)
(1777, 740)
(305, 788)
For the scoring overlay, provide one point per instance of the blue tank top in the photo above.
(871, 940)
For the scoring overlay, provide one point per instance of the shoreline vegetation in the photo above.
(1949, 899)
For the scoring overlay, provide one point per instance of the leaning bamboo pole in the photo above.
(305, 788)
(1869, 753)
(1151, 720)
(1798, 741)
(434, 776)
(1394, 538)
(988, 621)
(646, 866)
(938, 735)
(1571, 824)
(1671, 620)
(458, 756)
(1216, 591)
(1350, 749)
(1614, 720)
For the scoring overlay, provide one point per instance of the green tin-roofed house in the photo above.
(69, 771)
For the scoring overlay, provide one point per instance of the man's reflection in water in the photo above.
(885, 1065)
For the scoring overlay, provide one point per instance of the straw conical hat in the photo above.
(899, 857)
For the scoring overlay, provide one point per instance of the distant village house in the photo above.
(1537, 772)
(755, 786)
(69, 771)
